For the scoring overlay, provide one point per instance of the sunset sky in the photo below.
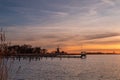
(71, 24)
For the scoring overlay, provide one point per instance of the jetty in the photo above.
(70, 56)
(44, 56)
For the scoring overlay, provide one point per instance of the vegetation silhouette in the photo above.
(28, 50)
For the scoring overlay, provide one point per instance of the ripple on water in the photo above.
(95, 67)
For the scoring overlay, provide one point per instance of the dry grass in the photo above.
(6, 68)
(3, 69)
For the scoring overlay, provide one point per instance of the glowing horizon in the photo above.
(65, 23)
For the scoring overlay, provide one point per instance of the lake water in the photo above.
(94, 67)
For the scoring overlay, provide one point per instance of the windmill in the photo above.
(58, 50)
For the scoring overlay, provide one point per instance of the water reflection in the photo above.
(42, 68)
(32, 58)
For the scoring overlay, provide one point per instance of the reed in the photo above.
(3, 69)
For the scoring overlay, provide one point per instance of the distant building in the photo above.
(83, 54)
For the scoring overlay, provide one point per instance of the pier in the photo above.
(46, 56)
(70, 56)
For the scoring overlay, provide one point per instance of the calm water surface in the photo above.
(94, 67)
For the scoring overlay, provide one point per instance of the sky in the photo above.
(74, 25)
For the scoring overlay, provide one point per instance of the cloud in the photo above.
(50, 37)
(51, 12)
(100, 36)
(110, 2)
(107, 42)
(67, 38)
(92, 12)
(32, 13)
(70, 17)
(56, 13)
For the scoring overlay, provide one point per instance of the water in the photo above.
(94, 67)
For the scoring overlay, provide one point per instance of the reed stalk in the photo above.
(3, 69)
